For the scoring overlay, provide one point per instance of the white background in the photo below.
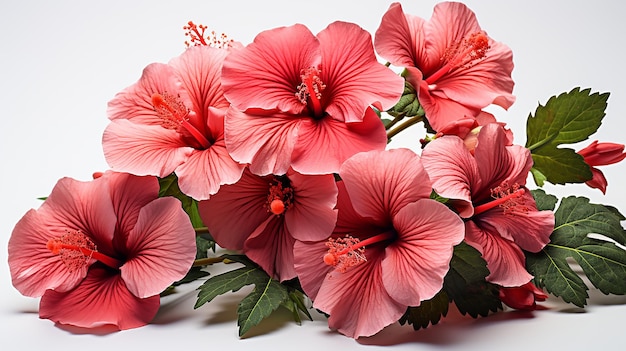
(62, 61)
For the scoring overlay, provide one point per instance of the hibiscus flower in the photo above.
(101, 252)
(264, 215)
(390, 249)
(487, 187)
(303, 101)
(454, 65)
(172, 120)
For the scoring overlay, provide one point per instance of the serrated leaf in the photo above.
(466, 286)
(259, 304)
(428, 312)
(228, 281)
(603, 262)
(543, 201)
(565, 119)
(295, 304)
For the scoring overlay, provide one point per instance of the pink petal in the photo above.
(266, 73)
(101, 299)
(417, 261)
(236, 210)
(265, 142)
(354, 78)
(440, 110)
(505, 260)
(323, 145)
(380, 183)
(142, 149)
(271, 247)
(129, 194)
(206, 170)
(135, 102)
(310, 267)
(453, 171)
(528, 228)
(399, 37)
(357, 300)
(161, 248)
(312, 216)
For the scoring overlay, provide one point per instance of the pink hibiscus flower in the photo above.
(601, 154)
(101, 252)
(456, 68)
(303, 101)
(172, 120)
(488, 188)
(390, 249)
(264, 215)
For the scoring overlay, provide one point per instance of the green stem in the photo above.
(202, 230)
(208, 261)
(403, 126)
(394, 121)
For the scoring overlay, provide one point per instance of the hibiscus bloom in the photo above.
(101, 252)
(601, 154)
(455, 67)
(303, 101)
(390, 249)
(487, 187)
(172, 120)
(264, 215)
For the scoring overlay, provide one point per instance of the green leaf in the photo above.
(228, 281)
(169, 187)
(260, 303)
(428, 312)
(544, 202)
(466, 286)
(603, 262)
(565, 119)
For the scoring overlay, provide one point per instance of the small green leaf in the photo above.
(260, 303)
(544, 202)
(169, 187)
(225, 282)
(565, 119)
(466, 286)
(603, 262)
(428, 312)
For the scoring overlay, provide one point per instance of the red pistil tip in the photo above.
(508, 197)
(280, 196)
(309, 92)
(277, 207)
(197, 37)
(344, 253)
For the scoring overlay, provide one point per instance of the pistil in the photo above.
(173, 113)
(347, 252)
(280, 196)
(309, 92)
(507, 199)
(461, 55)
(75, 249)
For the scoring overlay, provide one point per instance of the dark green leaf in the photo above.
(169, 187)
(603, 262)
(260, 303)
(428, 312)
(544, 202)
(229, 281)
(466, 286)
(565, 119)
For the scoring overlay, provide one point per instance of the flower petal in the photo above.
(162, 246)
(101, 299)
(380, 183)
(266, 73)
(323, 145)
(399, 37)
(354, 78)
(505, 260)
(271, 247)
(143, 149)
(416, 263)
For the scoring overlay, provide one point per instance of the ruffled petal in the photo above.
(400, 38)
(323, 145)
(161, 248)
(505, 260)
(380, 183)
(354, 78)
(101, 299)
(264, 142)
(350, 298)
(266, 73)
(453, 171)
(143, 150)
(271, 247)
(417, 261)
(236, 210)
(312, 216)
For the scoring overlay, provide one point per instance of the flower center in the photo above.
(76, 250)
(174, 115)
(508, 197)
(347, 252)
(280, 195)
(462, 55)
(309, 92)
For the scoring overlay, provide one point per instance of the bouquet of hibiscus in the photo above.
(273, 156)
